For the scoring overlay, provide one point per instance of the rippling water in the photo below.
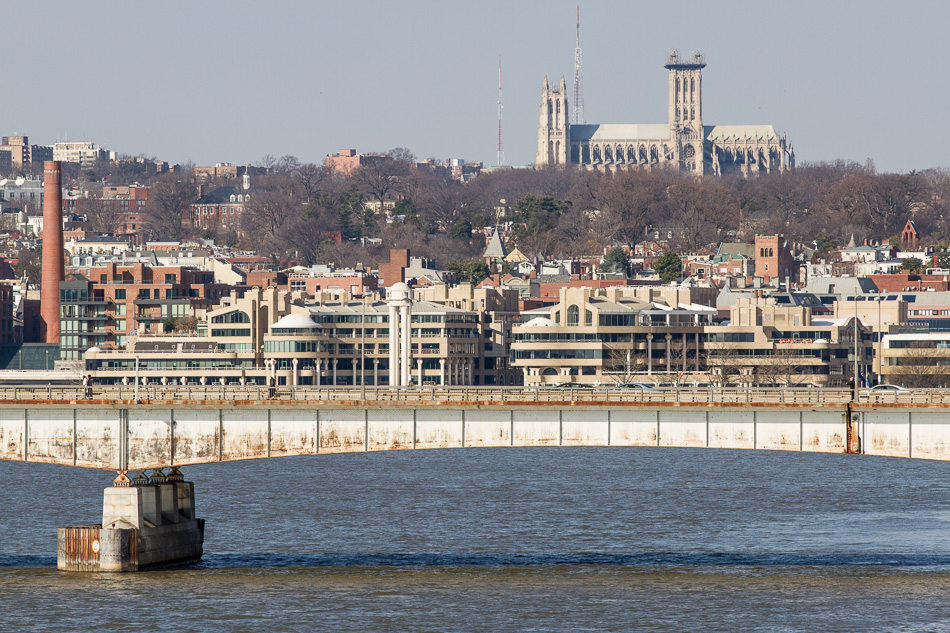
(549, 539)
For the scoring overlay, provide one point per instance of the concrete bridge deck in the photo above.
(447, 395)
(179, 426)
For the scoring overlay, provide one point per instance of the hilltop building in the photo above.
(683, 142)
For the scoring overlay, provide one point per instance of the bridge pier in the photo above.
(146, 522)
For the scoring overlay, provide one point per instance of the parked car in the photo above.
(879, 388)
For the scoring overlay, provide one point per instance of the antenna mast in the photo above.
(501, 140)
(578, 74)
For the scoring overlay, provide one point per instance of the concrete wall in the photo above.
(133, 438)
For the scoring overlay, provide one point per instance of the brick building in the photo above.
(22, 153)
(773, 259)
(222, 208)
(101, 305)
(344, 162)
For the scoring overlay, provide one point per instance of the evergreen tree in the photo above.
(669, 267)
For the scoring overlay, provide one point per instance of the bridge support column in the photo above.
(144, 524)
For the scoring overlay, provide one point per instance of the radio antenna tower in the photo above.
(578, 74)
(501, 140)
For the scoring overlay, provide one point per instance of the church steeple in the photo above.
(553, 125)
(686, 108)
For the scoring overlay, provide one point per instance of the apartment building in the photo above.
(22, 154)
(497, 310)
(605, 336)
(84, 153)
(101, 306)
(766, 343)
(918, 360)
(271, 336)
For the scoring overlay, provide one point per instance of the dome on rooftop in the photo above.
(399, 291)
(540, 322)
(296, 321)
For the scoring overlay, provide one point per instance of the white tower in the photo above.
(399, 297)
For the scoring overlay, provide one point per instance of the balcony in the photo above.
(142, 301)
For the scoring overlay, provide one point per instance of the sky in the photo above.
(230, 81)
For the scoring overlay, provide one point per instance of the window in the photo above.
(120, 294)
(588, 317)
(572, 315)
(234, 316)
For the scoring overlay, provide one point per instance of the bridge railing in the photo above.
(449, 395)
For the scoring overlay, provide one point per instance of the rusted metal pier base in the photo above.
(145, 523)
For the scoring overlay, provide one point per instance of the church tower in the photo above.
(686, 110)
(553, 126)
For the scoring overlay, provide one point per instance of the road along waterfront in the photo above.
(510, 539)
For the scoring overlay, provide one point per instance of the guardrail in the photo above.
(449, 395)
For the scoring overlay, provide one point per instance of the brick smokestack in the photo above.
(53, 264)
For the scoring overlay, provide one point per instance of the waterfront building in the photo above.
(766, 343)
(497, 312)
(916, 359)
(100, 306)
(607, 336)
(271, 336)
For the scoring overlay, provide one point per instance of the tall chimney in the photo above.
(53, 264)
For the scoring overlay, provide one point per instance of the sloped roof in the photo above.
(739, 132)
(219, 195)
(496, 247)
(737, 249)
(621, 132)
(516, 256)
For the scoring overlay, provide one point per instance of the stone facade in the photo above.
(684, 142)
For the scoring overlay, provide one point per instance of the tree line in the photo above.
(389, 202)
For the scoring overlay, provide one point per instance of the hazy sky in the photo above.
(231, 81)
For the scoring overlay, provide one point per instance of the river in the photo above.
(508, 539)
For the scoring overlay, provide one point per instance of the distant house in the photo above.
(910, 237)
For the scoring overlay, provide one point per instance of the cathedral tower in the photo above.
(553, 126)
(686, 109)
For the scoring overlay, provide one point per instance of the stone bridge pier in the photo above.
(146, 522)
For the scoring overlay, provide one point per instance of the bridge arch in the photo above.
(124, 436)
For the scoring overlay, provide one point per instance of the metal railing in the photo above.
(438, 395)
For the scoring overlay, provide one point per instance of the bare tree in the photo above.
(100, 215)
(171, 200)
(267, 222)
(624, 362)
(923, 366)
(380, 175)
(724, 363)
(310, 177)
(783, 368)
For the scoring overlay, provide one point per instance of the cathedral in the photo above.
(684, 142)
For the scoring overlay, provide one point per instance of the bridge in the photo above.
(150, 519)
(123, 429)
